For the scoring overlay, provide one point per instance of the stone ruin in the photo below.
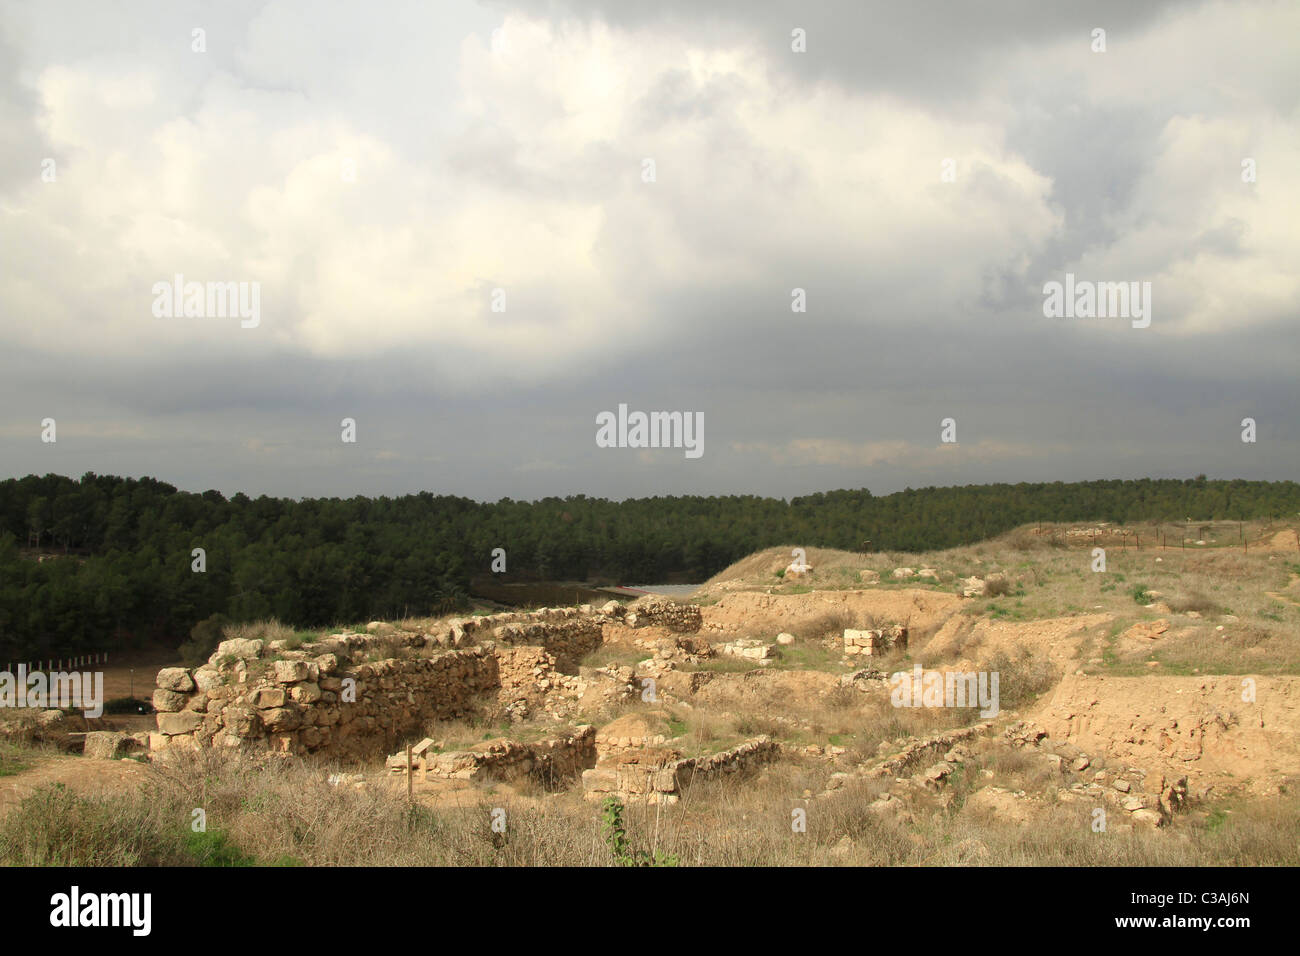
(635, 760)
(682, 618)
(326, 697)
(554, 762)
(330, 697)
(874, 642)
(333, 697)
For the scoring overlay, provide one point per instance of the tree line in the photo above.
(118, 553)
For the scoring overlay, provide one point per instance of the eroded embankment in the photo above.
(1217, 730)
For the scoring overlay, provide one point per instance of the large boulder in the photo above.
(305, 692)
(290, 672)
(185, 722)
(166, 701)
(108, 745)
(241, 648)
(267, 697)
(175, 678)
(280, 719)
(207, 678)
(243, 722)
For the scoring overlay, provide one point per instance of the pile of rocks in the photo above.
(112, 745)
(551, 761)
(1148, 799)
(866, 679)
(750, 649)
(874, 642)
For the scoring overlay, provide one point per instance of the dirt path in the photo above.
(79, 774)
(1286, 599)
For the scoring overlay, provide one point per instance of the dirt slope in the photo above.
(753, 612)
(1198, 726)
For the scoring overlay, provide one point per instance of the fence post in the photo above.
(410, 778)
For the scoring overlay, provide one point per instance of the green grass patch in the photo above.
(214, 848)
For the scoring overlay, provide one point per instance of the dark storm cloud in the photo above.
(523, 171)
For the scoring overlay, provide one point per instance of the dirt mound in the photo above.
(762, 565)
(779, 690)
(1198, 726)
(1057, 639)
(752, 613)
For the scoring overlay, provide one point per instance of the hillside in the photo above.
(105, 563)
(1144, 713)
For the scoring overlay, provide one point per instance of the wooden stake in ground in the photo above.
(410, 778)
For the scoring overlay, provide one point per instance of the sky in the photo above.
(474, 227)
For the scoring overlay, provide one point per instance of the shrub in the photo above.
(1021, 680)
(55, 827)
(204, 638)
(997, 587)
(11, 761)
(620, 847)
(1193, 601)
(213, 848)
(829, 624)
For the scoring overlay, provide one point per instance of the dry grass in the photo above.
(268, 630)
(267, 812)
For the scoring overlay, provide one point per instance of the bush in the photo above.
(1021, 680)
(829, 624)
(204, 638)
(213, 848)
(55, 827)
(1193, 601)
(620, 847)
(997, 587)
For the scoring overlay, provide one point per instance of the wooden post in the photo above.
(410, 778)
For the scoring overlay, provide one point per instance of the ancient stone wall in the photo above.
(661, 774)
(318, 705)
(553, 762)
(874, 642)
(568, 640)
(655, 612)
(357, 694)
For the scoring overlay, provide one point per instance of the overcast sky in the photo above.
(379, 169)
